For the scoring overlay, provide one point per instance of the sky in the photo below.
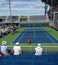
(22, 7)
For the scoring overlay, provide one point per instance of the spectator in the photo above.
(17, 49)
(0, 33)
(4, 49)
(38, 50)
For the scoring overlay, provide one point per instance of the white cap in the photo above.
(4, 42)
(39, 44)
(17, 43)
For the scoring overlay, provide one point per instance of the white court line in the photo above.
(41, 46)
(50, 38)
(21, 37)
(35, 46)
(34, 33)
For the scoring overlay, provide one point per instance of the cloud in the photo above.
(18, 9)
(24, 5)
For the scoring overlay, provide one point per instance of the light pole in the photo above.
(10, 11)
(52, 10)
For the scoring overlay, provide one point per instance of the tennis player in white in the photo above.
(17, 49)
(38, 50)
(4, 48)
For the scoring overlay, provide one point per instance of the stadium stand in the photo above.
(33, 24)
(54, 17)
(6, 29)
(2, 19)
(19, 19)
(40, 18)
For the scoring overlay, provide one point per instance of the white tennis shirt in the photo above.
(4, 49)
(38, 50)
(17, 50)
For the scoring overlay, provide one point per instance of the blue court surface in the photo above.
(30, 59)
(36, 35)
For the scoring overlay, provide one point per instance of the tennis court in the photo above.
(30, 59)
(36, 35)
